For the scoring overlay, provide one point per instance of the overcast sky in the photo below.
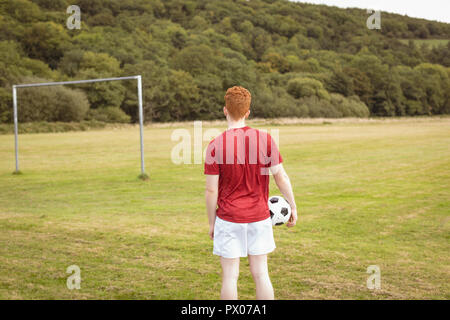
(438, 10)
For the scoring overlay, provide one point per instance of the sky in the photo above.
(438, 10)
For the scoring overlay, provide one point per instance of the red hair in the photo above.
(237, 102)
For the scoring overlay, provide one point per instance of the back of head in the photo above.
(237, 102)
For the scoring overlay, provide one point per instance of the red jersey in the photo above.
(242, 158)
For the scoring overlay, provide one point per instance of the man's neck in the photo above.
(236, 124)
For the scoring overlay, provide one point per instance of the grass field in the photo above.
(369, 193)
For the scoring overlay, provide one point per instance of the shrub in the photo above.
(5, 106)
(320, 108)
(275, 102)
(306, 87)
(338, 107)
(51, 104)
(349, 107)
(109, 114)
(45, 127)
(72, 105)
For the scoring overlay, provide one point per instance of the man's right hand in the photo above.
(293, 219)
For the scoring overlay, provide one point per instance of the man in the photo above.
(237, 189)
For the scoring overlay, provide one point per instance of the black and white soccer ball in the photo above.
(280, 210)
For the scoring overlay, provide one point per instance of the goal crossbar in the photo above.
(141, 114)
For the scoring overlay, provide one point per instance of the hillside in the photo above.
(298, 60)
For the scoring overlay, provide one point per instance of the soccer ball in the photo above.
(280, 210)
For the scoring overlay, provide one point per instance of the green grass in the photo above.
(369, 193)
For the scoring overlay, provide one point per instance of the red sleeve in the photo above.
(211, 165)
(274, 154)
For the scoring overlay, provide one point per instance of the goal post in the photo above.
(143, 175)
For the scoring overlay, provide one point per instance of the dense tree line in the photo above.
(296, 59)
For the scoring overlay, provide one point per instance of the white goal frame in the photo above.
(141, 116)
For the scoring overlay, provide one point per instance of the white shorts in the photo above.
(233, 240)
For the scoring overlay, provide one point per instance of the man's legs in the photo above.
(260, 274)
(230, 275)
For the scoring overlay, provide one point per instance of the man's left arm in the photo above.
(211, 194)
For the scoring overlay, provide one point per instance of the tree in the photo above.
(277, 62)
(261, 41)
(290, 55)
(437, 86)
(23, 10)
(341, 82)
(306, 87)
(195, 59)
(176, 98)
(46, 41)
(102, 94)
